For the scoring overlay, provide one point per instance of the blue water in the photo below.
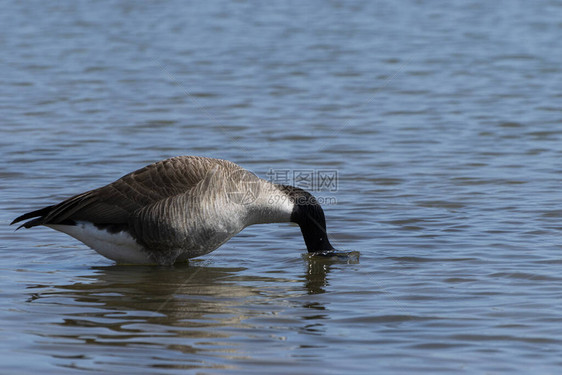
(442, 121)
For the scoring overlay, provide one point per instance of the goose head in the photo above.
(309, 215)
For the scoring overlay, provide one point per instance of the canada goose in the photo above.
(180, 208)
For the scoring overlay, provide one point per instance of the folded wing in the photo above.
(114, 204)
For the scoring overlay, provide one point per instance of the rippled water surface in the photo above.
(443, 121)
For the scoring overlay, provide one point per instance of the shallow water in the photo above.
(442, 123)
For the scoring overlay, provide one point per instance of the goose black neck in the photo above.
(308, 214)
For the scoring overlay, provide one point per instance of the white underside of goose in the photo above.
(120, 247)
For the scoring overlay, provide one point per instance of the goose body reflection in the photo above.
(180, 208)
(195, 311)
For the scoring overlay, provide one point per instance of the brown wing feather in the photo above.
(114, 203)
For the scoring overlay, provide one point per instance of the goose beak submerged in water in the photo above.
(180, 208)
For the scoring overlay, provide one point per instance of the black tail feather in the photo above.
(38, 214)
